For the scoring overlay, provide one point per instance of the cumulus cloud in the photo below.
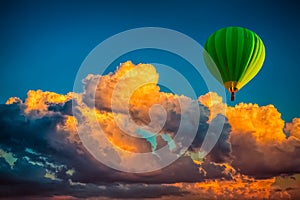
(41, 134)
(260, 147)
(129, 104)
(42, 156)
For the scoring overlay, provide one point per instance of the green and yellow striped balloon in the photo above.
(238, 54)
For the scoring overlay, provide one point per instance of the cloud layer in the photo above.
(41, 154)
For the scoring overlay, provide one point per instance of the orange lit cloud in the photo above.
(255, 148)
(214, 102)
(256, 132)
(37, 102)
(264, 123)
(119, 138)
(241, 187)
(127, 79)
(134, 96)
(259, 145)
(293, 128)
(13, 100)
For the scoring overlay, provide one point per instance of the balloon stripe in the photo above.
(230, 51)
(229, 47)
(247, 74)
(210, 46)
(219, 50)
(234, 45)
(256, 65)
(240, 49)
(248, 51)
(257, 62)
(222, 42)
(248, 55)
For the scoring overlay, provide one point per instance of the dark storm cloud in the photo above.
(83, 191)
(221, 151)
(40, 148)
(264, 161)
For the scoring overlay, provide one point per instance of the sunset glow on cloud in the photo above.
(256, 153)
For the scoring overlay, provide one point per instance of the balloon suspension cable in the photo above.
(232, 96)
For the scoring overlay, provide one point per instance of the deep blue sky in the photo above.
(43, 43)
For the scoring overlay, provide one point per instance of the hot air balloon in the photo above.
(237, 54)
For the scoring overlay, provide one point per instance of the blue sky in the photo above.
(43, 43)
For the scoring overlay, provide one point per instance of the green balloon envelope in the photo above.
(238, 54)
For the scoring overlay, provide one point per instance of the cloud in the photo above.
(293, 128)
(260, 147)
(38, 102)
(128, 105)
(44, 160)
(42, 156)
(41, 137)
(239, 188)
